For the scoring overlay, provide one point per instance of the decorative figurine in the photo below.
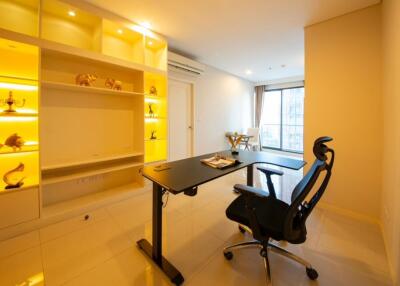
(113, 84)
(234, 143)
(151, 112)
(15, 182)
(153, 135)
(85, 79)
(153, 90)
(14, 141)
(11, 102)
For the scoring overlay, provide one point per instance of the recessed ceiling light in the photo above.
(249, 72)
(146, 25)
(150, 43)
(119, 31)
(71, 13)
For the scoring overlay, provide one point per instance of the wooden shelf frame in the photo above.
(86, 181)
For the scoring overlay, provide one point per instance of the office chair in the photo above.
(271, 219)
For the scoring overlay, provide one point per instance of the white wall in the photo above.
(343, 100)
(391, 138)
(223, 102)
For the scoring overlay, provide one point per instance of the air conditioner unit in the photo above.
(182, 64)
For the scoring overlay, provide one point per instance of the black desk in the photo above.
(184, 176)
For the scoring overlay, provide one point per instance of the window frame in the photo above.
(281, 120)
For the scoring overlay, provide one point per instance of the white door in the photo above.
(180, 119)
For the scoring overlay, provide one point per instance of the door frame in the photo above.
(192, 84)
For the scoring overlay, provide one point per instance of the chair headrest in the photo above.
(320, 149)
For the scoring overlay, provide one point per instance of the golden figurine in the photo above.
(14, 141)
(153, 90)
(11, 102)
(153, 135)
(113, 84)
(151, 112)
(12, 181)
(85, 79)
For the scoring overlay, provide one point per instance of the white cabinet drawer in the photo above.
(19, 206)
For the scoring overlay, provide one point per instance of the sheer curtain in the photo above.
(259, 92)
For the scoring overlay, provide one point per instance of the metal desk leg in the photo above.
(154, 251)
(250, 175)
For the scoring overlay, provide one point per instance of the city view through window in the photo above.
(282, 120)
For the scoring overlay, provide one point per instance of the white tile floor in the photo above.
(102, 250)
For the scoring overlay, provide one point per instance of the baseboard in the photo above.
(387, 249)
(349, 213)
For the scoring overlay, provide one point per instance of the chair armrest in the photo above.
(250, 191)
(269, 171)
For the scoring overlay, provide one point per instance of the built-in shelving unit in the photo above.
(85, 138)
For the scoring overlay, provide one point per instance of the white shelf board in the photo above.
(73, 175)
(91, 202)
(11, 152)
(17, 114)
(88, 89)
(23, 188)
(152, 140)
(92, 161)
(77, 52)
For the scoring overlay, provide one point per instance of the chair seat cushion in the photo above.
(270, 214)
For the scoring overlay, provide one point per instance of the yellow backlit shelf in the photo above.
(88, 89)
(17, 114)
(23, 188)
(153, 96)
(155, 117)
(7, 150)
(152, 140)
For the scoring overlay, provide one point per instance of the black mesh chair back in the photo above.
(300, 209)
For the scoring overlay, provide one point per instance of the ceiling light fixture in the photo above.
(71, 13)
(119, 31)
(249, 72)
(150, 43)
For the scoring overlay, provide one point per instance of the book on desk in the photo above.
(220, 162)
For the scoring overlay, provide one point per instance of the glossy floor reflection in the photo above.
(102, 250)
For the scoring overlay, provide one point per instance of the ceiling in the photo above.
(264, 36)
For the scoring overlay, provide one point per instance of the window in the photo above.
(282, 119)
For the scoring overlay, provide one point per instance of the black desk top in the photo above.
(188, 173)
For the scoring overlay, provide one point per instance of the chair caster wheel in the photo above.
(242, 229)
(312, 273)
(228, 255)
(263, 252)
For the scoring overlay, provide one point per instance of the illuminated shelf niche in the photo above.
(19, 75)
(155, 118)
(20, 16)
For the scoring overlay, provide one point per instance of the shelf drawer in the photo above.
(19, 206)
